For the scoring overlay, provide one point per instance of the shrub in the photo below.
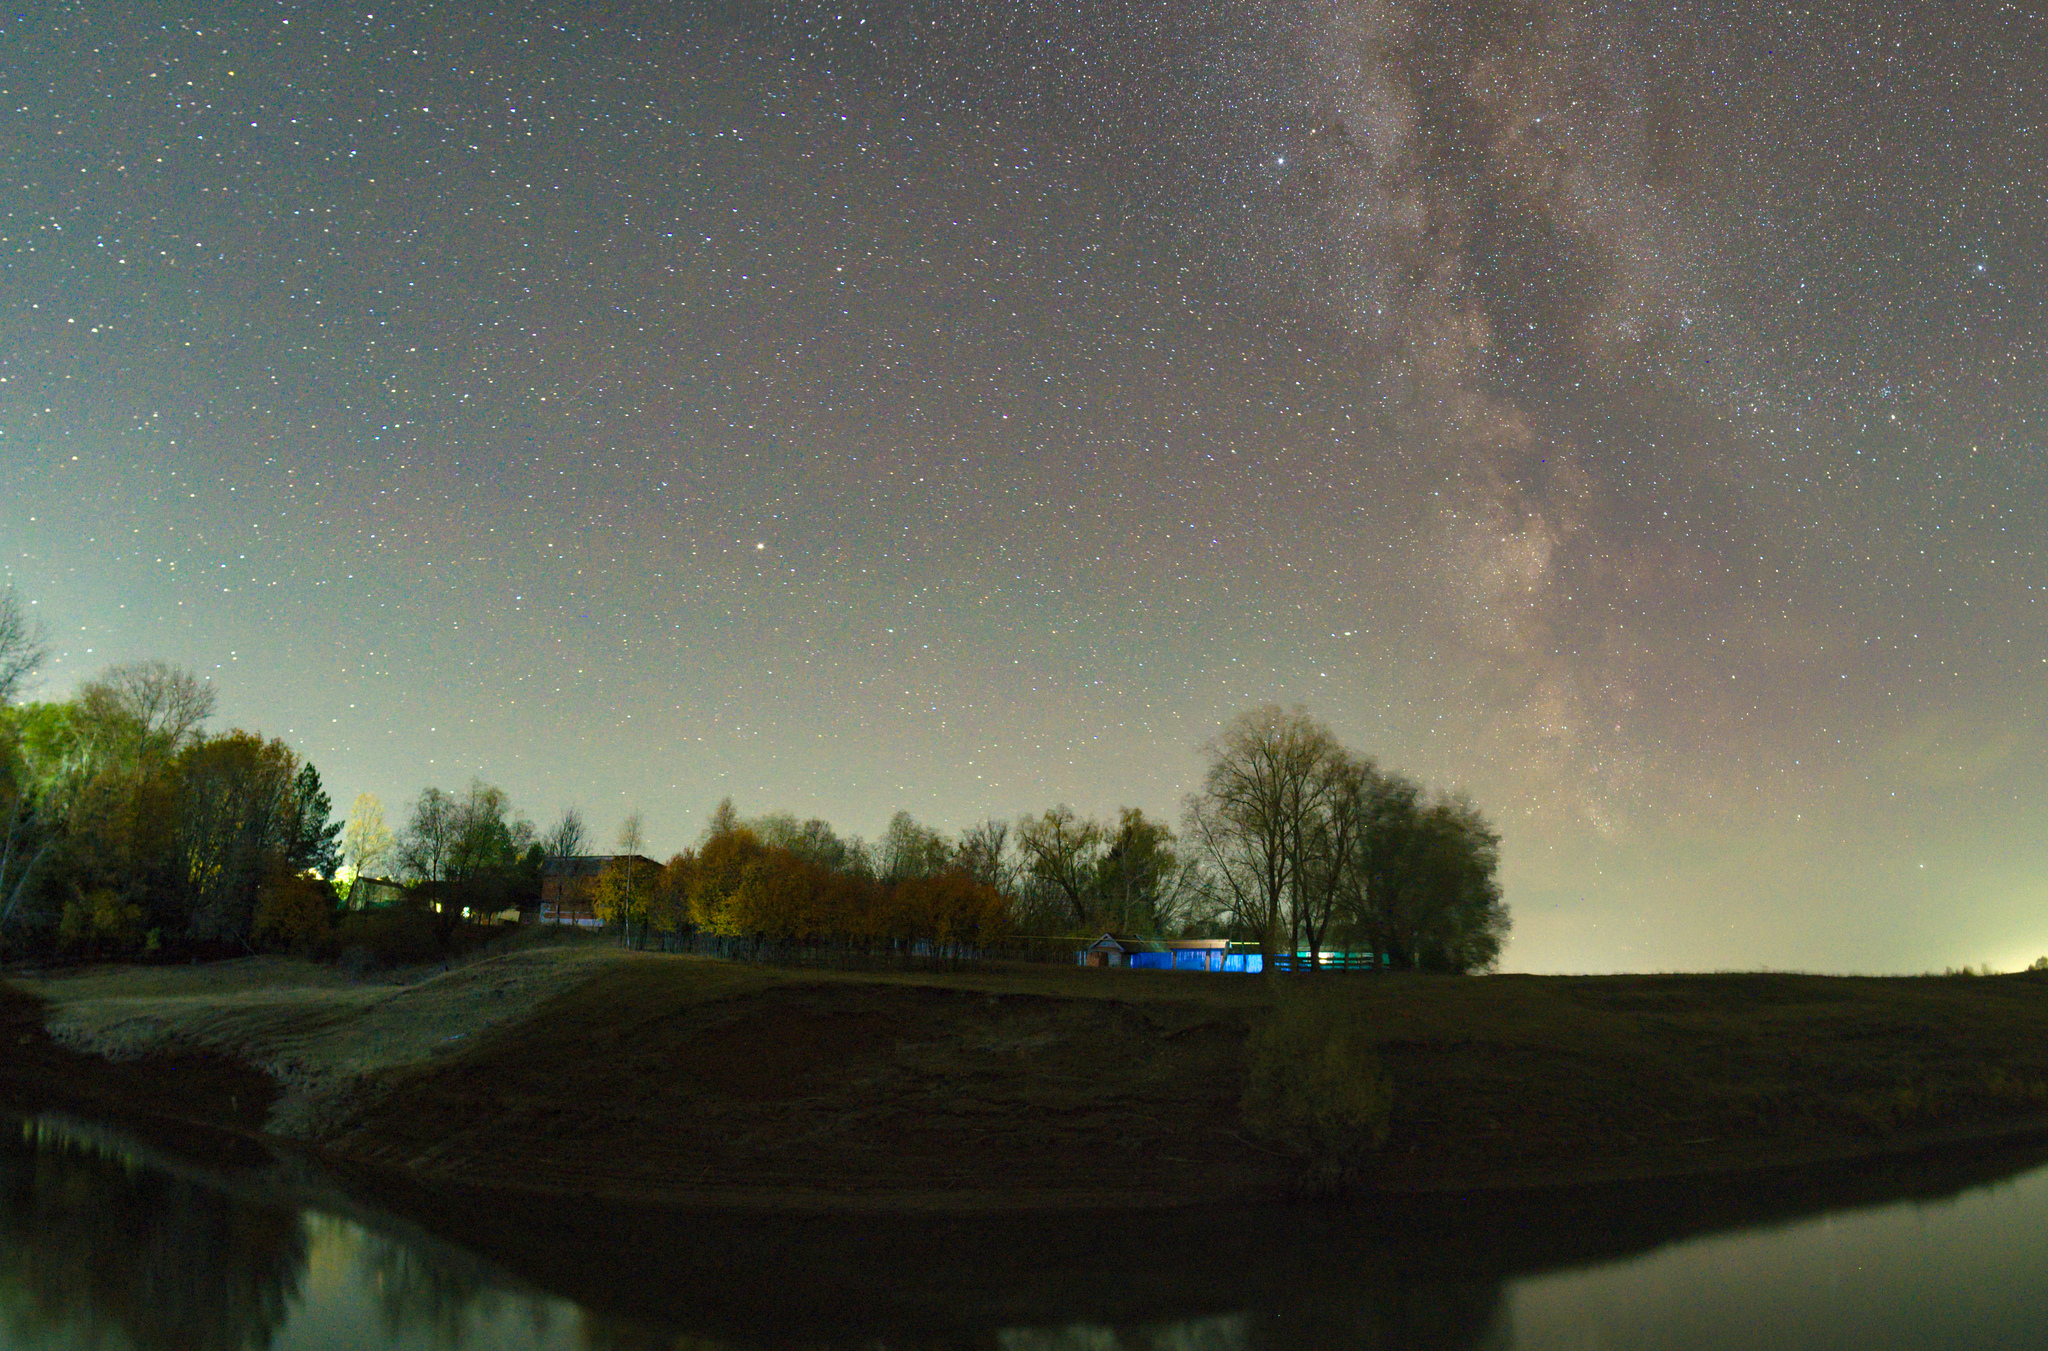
(2013, 1090)
(409, 934)
(369, 939)
(293, 912)
(1315, 1089)
(103, 919)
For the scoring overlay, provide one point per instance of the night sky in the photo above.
(1631, 415)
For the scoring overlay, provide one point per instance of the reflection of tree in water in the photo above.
(438, 1294)
(91, 1245)
(1226, 1333)
(1419, 1316)
(605, 1334)
(1434, 1316)
(95, 1248)
(1431, 1317)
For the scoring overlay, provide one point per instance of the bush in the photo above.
(368, 939)
(102, 920)
(293, 913)
(411, 933)
(1315, 1089)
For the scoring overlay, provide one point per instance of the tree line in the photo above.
(125, 826)
(1293, 843)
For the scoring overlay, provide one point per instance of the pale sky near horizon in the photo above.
(1633, 417)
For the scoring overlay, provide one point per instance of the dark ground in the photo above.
(689, 1082)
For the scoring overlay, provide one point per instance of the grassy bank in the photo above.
(666, 1077)
(325, 1042)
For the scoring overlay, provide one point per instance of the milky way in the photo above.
(1489, 215)
(1629, 415)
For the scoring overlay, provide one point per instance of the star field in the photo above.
(1633, 415)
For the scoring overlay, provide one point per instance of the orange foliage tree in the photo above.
(950, 910)
(737, 886)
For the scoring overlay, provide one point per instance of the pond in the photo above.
(106, 1243)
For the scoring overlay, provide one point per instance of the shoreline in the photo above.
(211, 1106)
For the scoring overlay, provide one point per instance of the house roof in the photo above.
(587, 865)
(1125, 943)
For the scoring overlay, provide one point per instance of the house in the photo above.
(1167, 954)
(374, 893)
(567, 885)
(1115, 950)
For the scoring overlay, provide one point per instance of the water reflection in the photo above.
(101, 1247)
(104, 1249)
(1426, 1317)
(1456, 1317)
(451, 1304)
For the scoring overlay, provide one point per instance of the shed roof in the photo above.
(1125, 943)
(587, 865)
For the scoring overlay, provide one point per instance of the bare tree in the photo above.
(428, 844)
(567, 838)
(981, 855)
(1330, 841)
(143, 710)
(908, 850)
(1185, 898)
(486, 835)
(1250, 823)
(23, 648)
(1061, 851)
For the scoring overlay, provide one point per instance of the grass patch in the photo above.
(1315, 1089)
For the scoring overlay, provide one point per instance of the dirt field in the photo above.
(700, 1082)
